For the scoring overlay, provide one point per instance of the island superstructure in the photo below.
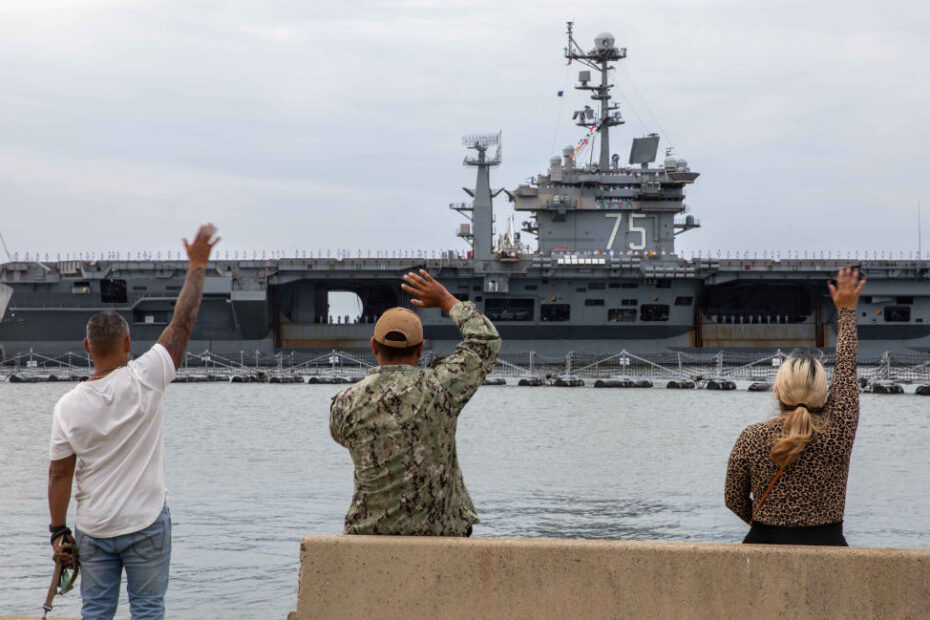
(604, 275)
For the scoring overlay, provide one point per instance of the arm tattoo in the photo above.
(178, 332)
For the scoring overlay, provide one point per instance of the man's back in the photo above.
(114, 426)
(399, 425)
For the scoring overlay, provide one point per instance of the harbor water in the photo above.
(252, 469)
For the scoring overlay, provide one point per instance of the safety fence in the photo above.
(728, 365)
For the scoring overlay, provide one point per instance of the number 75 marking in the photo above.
(630, 228)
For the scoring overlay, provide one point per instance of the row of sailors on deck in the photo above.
(754, 319)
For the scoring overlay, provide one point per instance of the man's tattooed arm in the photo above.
(178, 332)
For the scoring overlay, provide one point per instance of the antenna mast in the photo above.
(598, 59)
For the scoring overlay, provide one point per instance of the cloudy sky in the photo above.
(298, 125)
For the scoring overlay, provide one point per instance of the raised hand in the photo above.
(845, 293)
(427, 292)
(198, 252)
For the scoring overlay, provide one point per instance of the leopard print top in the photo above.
(812, 490)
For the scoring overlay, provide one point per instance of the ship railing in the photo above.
(35, 361)
(624, 364)
(337, 363)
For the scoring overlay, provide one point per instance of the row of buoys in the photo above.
(720, 384)
(31, 378)
(200, 378)
(876, 387)
(330, 379)
(623, 383)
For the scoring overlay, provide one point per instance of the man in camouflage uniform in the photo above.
(399, 422)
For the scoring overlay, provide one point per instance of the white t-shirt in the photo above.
(115, 426)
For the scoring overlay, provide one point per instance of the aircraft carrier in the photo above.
(604, 274)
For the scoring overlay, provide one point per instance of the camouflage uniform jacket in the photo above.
(399, 426)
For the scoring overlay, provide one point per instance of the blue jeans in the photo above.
(144, 554)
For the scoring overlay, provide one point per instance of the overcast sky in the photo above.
(306, 124)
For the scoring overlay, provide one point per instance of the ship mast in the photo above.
(482, 210)
(598, 59)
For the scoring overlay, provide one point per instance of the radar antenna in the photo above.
(480, 143)
(598, 59)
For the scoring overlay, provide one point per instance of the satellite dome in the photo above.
(604, 41)
(555, 160)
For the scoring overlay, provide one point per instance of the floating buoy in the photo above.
(16, 378)
(923, 390)
(760, 386)
(613, 383)
(285, 379)
(329, 379)
(680, 384)
(720, 384)
(495, 381)
(642, 383)
(887, 387)
(530, 381)
(568, 381)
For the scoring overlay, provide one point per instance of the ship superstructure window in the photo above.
(596, 286)
(653, 312)
(622, 315)
(555, 312)
(684, 301)
(897, 314)
(904, 300)
(140, 288)
(594, 302)
(113, 291)
(530, 287)
(629, 285)
(505, 309)
(613, 285)
(663, 284)
(629, 302)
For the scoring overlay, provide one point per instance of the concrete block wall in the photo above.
(388, 577)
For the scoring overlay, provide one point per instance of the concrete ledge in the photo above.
(411, 577)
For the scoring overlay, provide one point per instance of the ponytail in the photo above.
(801, 388)
(797, 431)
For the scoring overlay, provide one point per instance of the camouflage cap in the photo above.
(402, 322)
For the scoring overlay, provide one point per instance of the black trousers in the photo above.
(830, 534)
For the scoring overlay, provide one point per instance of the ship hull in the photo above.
(538, 306)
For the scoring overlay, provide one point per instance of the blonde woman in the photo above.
(787, 476)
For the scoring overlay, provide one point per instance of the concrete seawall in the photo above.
(394, 577)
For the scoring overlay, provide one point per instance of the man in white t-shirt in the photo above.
(107, 435)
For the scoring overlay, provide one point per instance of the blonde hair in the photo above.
(801, 388)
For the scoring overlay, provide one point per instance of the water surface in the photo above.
(252, 469)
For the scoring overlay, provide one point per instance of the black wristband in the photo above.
(58, 531)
